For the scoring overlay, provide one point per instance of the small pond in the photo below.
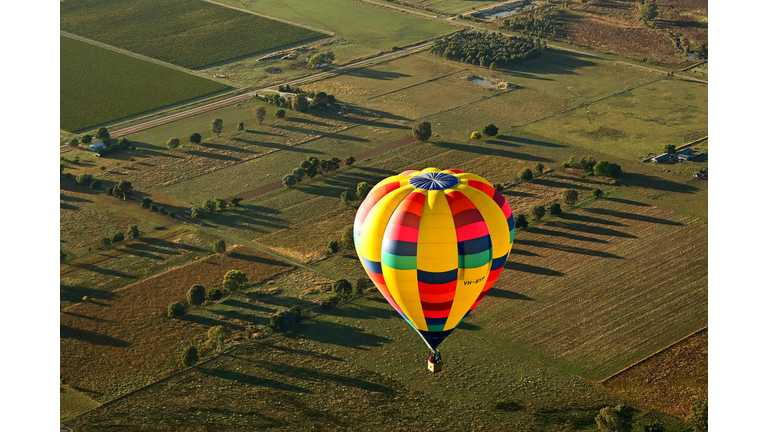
(482, 82)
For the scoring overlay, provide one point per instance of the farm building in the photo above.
(662, 158)
(98, 146)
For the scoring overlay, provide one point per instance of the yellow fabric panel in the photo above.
(469, 176)
(404, 288)
(429, 170)
(403, 179)
(437, 251)
(494, 219)
(372, 233)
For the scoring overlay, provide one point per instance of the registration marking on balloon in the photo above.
(434, 242)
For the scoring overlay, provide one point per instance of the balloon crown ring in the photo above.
(434, 181)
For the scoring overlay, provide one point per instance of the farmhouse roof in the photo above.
(685, 152)
(662, 157)
(98, 145)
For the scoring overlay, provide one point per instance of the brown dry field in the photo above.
(671, 380)
(613, 26)
(114, 345)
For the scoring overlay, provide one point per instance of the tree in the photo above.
(571, 196)
(217, 125)
(84, 179)
(698, 419)
(235, 202)
(554, 208)
(521, 221)
(219, 246)
(363, 188)
(189, 356)
(343, 288)
(570, 162)
(346, 197)
(476, 135)
(118, 237)
(196, 138)
(300, 103)
(133, 232)
(106, 242)
(234, 280)
(597, 192)
(298, 172)
(538, 212)
(74, 142)
(653, 427)
(124, 143)
(607, 169)
(422, 131)
(241, 126)
(221, 203)
(102, 133)
(649, 12)
(214, 294)
(361, 285)
(490, 130)
(669, 148)
(280, 113)
(216, 337)
(122, 189)
(333, 246)
(289, 180)
(196, 295)
(173, 143)
(195, 212)
(86, 139)
(176, 309)
(587, 163)
(614, 419)
(525, 175)
(349, 160)
(539, 168)
(209, 206)
(321, 59)
(348, 237)
(310, 165)
(260, 114)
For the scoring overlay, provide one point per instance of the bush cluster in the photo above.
(485, 48)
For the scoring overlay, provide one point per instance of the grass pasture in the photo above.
(449, 7)
(97, 336)
(111, 85)
(187, 33)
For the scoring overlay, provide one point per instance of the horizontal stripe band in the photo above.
(397, 247)
(438, 277)
(475, 260)
(476, 245)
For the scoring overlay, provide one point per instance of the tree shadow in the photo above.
(374, 74)
(490, 151)
(361, 312)
(633, 216)
(590, 229)
(210, 322)
(278, 146)
(90, 318)
(518, 251)
(164, 245)
(517, 141)
(549, 182)
(65, 206)
(301, 352)
(339, 334)
(658, 183)
(630, 202)
(526, 268)
(103, 271)
(213, 155)
(250, 306)
(502, 293)
(76, 294)
(332, 135)
(224, 147)
(515, 193)
(252, 380)
(67, 332)
(570, 249)
(258, 259)
(68, 198)
(544, 231)
(578, 217)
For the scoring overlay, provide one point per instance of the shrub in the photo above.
(173, 143)
(570, 162)
(280, 113)
(146, 202)
(196, 138)
(570, 196)
(289, 180)
(133, 232)
(221, 203)
(669, 148)
(587, 163)
(96, 184)
(235, 202)
(234, 280)
(124, 143)
(498, 186)
(74, 142)
(189, 356)
(490, 130)
(525, 174)
(348, 237)
(521, 221)
(333, 246)
(597, 193)
(86, 139)
(475, 135)
(363, 188)
(209, 206)
(554, 208)
(698, 419)
(296, 311)
(346, 197)
(241, 126)
(343, 288)
(614, 419)
(539, 168)
(196, 295)
(219, 246)
(538, 212)
(607, 169)
(361, 285)
(84, 179)
(422, 131)
(331, 301)
(176, 310)
(349, 160)
(276, 322)
(118, 237)
(215, 294)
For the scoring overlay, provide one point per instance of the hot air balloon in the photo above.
(434, 242)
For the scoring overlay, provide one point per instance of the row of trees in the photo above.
(487, 49)
(591, 166)
(313, 166)
(300, 102)
(540, 23)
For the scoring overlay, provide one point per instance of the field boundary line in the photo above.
(417, 84)
(252, 12)
(694, 142)
(684, 338)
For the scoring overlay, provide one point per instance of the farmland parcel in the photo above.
(110, 85)
(187, 33)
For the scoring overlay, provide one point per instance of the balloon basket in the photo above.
(434, 367)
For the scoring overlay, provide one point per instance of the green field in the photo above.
(450, 7)
(188, 33)
(365, 29)
(109, 86)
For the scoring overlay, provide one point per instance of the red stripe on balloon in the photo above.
(492, 277)
(436, 314)
(471, 231)
(373, 197)
(378, 280)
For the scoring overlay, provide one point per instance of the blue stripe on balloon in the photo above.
(398, 247)
(498, 262)
(434, 338)
(474, 246)
(436, 321)
(437, 277)
(371, 266)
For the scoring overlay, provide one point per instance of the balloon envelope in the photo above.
(434, 242)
